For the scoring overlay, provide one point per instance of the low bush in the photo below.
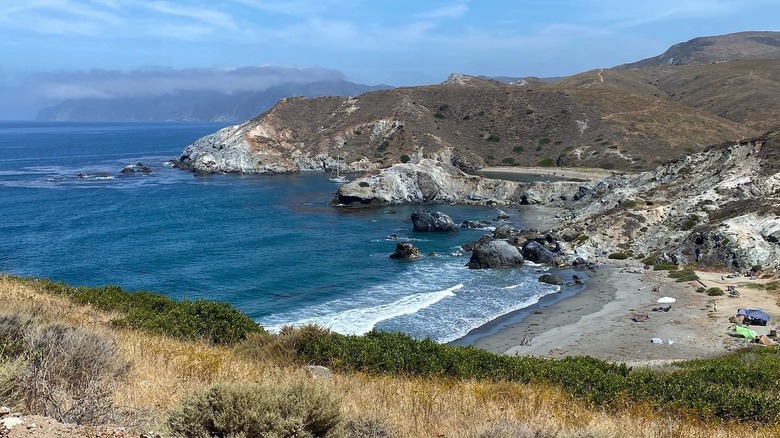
(650, 260)
(715, 292)
(216, 322)
(63, 372)
(689, 223)
(665, 267)
(701, 290)
(493, 138)
(405, 158)
(723, 394)
(370, 427)
(582, 238)
(683, 275)
(254, 410)
(547, 162)
(618, 256)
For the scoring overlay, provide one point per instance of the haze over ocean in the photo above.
(271, 245)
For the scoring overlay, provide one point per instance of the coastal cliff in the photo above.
(715, 208)
(425, 181)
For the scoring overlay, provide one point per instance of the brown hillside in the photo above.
(746, 92)
(720, 48)
(488, 123)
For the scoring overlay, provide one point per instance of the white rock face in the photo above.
(715, 208)
(426, 181)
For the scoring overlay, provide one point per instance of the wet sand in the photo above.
(598, 320)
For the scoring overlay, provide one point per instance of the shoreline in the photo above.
(597, 320)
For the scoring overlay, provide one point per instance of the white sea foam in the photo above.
(361, 320)
(514, 286)
(463, 329)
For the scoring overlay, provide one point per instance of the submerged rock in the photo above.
(135, 168)
(405, 251)
(494, 254)
(427, 220)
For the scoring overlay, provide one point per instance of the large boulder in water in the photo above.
(405, 251)
(551, 279)
(494, 254)
(503, 232)
(537, 253)
(427, 220)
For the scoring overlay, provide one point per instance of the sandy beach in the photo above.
(598, 321)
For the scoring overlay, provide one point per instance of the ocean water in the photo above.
(270, 245)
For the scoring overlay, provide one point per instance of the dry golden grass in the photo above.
(163, 370)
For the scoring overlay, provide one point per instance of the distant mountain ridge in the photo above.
(195, 105)
(721, 48)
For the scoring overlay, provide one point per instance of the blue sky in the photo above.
(400, 42)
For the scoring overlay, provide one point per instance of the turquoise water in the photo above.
(271, 245)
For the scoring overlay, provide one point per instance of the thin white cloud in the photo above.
(300, 8)
(622, 14)
(205, 16)
(451, 11)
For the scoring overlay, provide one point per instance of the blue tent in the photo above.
(755, 316)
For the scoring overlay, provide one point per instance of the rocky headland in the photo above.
(715, 208)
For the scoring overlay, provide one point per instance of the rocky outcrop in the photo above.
(135, 168)
(537, 253)
(502, 232)
(551, 279)
(494, 254)
(427, 220)
(719, 207)
(405, 251)
(426, 181)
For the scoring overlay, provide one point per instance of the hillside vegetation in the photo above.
(632, 117)
(386, 383)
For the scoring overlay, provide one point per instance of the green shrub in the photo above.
(756, 268)
(665, 267)
(618, 256)
(439, 115)
(732, 389)
(689, 223)
(493, 138)
(684, 275)
(701, 290)
(508, 160)
(364, 184)
(582, 238)
(254, 410)
(547, 162)
(518, 149)
(715, 292)
(405, 158)
(544, 141)
(650, 260)
(212, 321)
